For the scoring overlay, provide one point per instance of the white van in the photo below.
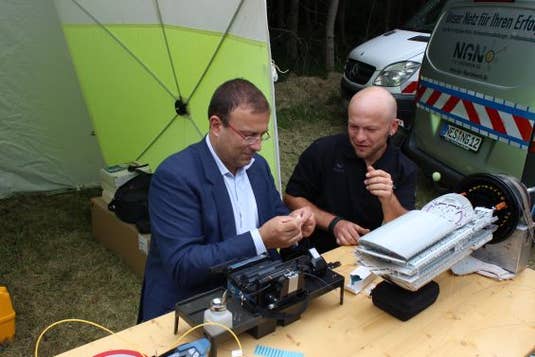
(476, 95)
(393, 60)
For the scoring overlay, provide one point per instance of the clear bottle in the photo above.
(217, 313)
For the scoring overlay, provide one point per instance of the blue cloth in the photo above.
(193, 226)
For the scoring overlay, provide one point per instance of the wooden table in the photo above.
(473, 316)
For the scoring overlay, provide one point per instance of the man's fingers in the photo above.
(293, 240)
(381, 188)
(290, 221)
(363, 230)
(304, 213)
(375, 178)
(346, 238)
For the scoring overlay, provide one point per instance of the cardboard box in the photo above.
(115, 176)
(121, 238)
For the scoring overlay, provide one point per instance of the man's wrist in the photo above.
(333, 223)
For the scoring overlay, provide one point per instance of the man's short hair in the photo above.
(233, 94)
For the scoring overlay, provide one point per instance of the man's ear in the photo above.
(215, 124)
(394, 127)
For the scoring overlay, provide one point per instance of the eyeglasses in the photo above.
(250, 139)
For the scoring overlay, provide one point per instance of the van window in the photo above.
(485, 44)
(426, 18)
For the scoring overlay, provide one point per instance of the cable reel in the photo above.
(506, 194)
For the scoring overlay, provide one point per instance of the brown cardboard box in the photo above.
(121, 238)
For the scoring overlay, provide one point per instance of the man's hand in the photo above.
(348, 233)
(379, 183)
(308, 222)
(281, 231)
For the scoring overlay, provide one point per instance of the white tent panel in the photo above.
(206, 15)
(46, 140)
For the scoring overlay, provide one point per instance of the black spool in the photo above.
(487, 190)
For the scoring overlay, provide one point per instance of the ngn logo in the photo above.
(469, 52)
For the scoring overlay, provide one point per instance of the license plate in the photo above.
(460, 137)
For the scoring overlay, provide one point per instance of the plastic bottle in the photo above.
(7, 317)
(217, 313)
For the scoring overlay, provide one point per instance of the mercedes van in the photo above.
(476, 93)
(393, 60)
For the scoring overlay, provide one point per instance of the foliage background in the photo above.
(297, 28)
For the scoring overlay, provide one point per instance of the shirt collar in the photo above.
(220, 165)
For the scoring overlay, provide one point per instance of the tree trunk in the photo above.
(308, 21)
(293, 24)
(341, 23)
(388, 15)
(329, 35)
(281, 12)
(370, 16)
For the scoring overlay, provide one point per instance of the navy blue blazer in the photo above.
(193, 227)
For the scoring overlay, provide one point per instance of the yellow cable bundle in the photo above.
(36, 350)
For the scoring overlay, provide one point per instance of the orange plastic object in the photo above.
(7, 316)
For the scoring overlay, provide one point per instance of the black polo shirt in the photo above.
(330, 175)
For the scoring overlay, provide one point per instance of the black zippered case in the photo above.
(401, 303)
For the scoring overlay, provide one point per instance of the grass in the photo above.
(54, 270)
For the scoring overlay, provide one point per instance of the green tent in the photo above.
(146, 70)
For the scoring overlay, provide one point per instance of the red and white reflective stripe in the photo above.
(490, 116)
(410, 88)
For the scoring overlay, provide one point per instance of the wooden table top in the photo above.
(473, 316)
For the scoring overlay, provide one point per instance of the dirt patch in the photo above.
(296, 90)
(307, 108)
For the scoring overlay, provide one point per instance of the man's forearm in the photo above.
(392, 208)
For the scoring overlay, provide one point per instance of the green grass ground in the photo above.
(54, 270)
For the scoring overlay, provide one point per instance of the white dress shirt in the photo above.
(242, 199)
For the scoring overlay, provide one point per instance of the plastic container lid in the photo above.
(217, 304)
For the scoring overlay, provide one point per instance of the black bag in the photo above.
(404, 304)
(130, 202)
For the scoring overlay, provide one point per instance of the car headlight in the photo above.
(396, 73)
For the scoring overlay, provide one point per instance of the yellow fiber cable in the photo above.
(176, 344)
(36, 351)
(206, 324)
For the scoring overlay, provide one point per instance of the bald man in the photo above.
(357, 180)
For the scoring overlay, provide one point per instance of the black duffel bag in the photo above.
(130, 202)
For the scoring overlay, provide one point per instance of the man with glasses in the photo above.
(216, 202)
(357, 180)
